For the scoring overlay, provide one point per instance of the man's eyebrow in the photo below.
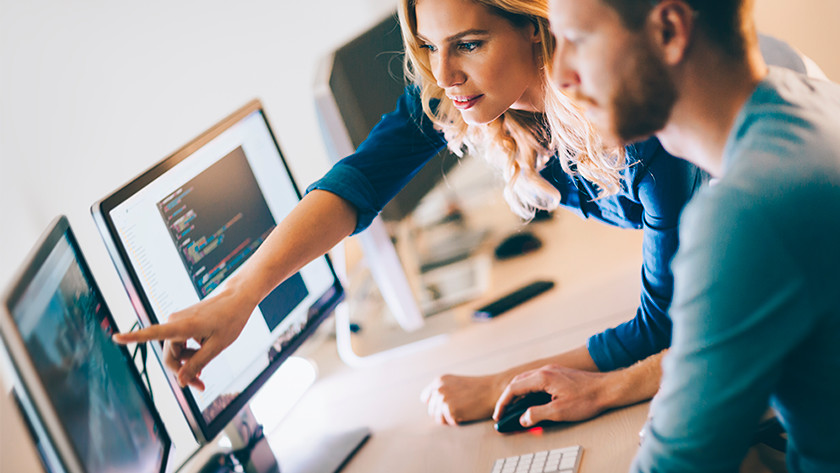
(457, 36)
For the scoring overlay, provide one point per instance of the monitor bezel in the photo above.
(203, 431)
(31, 392)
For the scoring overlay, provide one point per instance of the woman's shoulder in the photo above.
(649, 161)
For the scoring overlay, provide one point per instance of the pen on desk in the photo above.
(512, 300)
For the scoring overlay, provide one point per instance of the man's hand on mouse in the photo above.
(453, 400)
(576, 395)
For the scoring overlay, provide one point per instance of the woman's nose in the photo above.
(447, 73)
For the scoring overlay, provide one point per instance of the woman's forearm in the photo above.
(319, 222)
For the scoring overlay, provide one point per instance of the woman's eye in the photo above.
(429, 47)
(469, 45)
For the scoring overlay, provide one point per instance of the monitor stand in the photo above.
(325, 454)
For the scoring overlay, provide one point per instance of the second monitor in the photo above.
(180, 229)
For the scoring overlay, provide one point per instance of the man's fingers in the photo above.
(537, 414)
(521, 385)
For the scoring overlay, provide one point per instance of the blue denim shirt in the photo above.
(656, 187)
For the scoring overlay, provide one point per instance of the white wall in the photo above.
(93, 92)
(810, 25)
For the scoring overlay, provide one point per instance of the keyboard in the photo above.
(560, 460)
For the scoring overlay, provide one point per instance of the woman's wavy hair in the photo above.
(519, 143)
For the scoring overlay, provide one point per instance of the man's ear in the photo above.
(671, 25)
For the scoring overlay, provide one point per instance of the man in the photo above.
(756, 307)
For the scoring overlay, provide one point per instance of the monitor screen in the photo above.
(364, 78)
(179, 230)
(80, 389)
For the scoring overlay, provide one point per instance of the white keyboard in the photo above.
(560, 460)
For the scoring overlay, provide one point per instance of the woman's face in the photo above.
(483, 62)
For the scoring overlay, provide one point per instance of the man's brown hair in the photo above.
(725, 22)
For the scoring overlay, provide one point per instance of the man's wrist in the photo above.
(623, 387)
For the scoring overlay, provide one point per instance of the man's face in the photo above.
(611, 71)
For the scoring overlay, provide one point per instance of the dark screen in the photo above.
(217, 220)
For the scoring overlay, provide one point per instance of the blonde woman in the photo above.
(479, 74)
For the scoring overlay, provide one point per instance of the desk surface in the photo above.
(597, 270)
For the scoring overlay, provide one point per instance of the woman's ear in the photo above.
(671, 25)
(536, 37)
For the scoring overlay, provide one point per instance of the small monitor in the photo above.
(362, 81)
(179, 230)
(358, 83)
(80, 392)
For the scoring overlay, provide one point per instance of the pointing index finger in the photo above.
(168, 331)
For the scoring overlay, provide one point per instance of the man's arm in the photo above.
(580, 395)
(580, 390)
(739, 314)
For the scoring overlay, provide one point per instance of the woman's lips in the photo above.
(466, 102)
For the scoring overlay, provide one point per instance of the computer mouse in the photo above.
(509, 422)
(517, 244)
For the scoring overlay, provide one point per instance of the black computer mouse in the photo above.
(509, 422)
(517, 244)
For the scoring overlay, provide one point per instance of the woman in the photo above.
(480, 82)
(488, 91)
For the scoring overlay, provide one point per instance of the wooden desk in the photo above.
(385, 396)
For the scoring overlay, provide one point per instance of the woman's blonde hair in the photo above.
(519, 143)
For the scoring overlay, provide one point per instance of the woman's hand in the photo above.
(213, 323)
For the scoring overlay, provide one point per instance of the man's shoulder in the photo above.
(792, 100)
(788, 124)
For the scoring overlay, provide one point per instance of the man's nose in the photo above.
(562, 73)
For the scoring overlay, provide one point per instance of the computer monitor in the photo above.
(364, 78)
(358, 83)
(80, 392)
(176, 233)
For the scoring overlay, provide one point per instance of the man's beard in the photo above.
(644, 101)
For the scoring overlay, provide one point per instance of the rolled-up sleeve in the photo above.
(395, 150)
